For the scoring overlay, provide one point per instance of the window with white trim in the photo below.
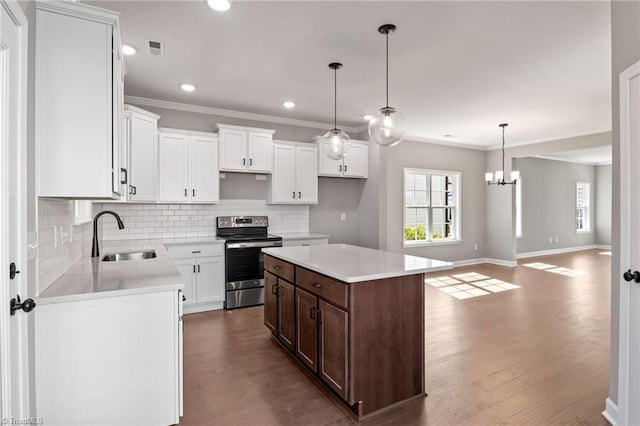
(583, 206)
(519, 207)
(431, 206)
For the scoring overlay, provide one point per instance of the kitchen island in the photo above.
(353, 317)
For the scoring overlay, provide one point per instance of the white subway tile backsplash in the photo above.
(196, 220)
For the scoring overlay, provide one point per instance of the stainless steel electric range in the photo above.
(245, 237)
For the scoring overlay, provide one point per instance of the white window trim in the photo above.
(588, 229)
(457, 206)
(519, 209)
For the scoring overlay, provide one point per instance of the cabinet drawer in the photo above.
(323, 286)
(190, 251)
(279, 267)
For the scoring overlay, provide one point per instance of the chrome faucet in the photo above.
(95, 251)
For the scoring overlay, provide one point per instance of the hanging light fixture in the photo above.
(388, 126)
(499, 176)
(335, 143)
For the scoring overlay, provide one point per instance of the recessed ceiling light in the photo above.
(367, 117)
(128, 50)
(289, 104)
(188, 87)
(219, 5)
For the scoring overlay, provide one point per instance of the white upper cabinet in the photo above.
(79, 102)
(354, 165)
(142, 140)
(188, 167)
(245, 149)
(295, 173)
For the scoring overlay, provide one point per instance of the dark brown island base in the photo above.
(353, 317)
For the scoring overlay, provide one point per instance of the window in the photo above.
(583, 206)
(431, 206)
(519, 233)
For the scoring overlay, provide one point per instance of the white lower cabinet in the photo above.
(295, 173)
(202, 267)
(112, 360)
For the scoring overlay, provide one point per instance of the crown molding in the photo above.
(413, 138)
(230, 113)
(564, 160)
(79, 10)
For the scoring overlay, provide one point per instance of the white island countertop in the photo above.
(92, 278)
(354, 264)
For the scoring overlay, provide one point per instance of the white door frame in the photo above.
(8, 399)
(625, 243)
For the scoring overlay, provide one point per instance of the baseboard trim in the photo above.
(501, 262)
(610, 412)
(603, 247)
(478, 261)
(555, 251)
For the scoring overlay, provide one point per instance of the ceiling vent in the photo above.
(155, 47)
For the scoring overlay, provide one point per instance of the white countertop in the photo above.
(355, 264)
(91, 278)
(301, 236)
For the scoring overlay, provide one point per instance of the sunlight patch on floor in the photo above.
(606, 253)
(539, 265)
(474, 285)
(567, 272)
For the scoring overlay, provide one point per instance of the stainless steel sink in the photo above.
(137, 255)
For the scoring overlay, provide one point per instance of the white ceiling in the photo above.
(456, 68)
(596, 156)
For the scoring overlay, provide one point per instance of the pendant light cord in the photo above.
(387, 35)
(503, 171)
(335, 98)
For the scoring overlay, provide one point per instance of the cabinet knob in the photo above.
(631, 276)
(316, 285)
(244, 161)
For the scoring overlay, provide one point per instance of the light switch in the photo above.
(343, 217)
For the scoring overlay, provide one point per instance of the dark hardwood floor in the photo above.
(538, 354)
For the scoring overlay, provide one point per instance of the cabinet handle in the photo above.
(294, 194)
(276, 267)
(194, 269)
(319, 316)
(184, 298)
(312, 312)
(193, 192)
(251, 161)
(299, 194)
(345, 168)
(198, 268)
(185, 192)
(244, 162)
(135, 190)
(316, 285)
(130, 189)
(274, 290)
(196, 251)
(340, 167)
(126, 176)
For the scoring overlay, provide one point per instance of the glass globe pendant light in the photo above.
(388, 127)
(335, 143)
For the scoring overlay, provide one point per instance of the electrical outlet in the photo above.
(475, 247)
(550, 240)
(556, 239)
(343, 217)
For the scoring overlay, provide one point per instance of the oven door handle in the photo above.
(254, 244)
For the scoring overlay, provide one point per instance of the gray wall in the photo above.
(625, 51)
(369, 207)
(603, 205)
(549, 204)
(439, 157)
(335, 195)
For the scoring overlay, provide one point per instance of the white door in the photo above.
(205, 177)
(210, 281)
(260, 152)
(283, 181)
(629, 344)
(143, 141)
(307, 174)
(356, 161)
(233, 150)
(173, 168)
(14, 365)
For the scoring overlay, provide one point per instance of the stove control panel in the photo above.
(242, 221)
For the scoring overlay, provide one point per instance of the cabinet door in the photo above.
(271, 301)
(143, 173)
(286, 313)
(187, 269)
(260, 152)
(333, 337)
(307, 328)
(356, 163)
(307, 174)
(173, 168)
(205, 179)
(283, 181)
(210, 279)
(328, 166)
(233, 150)
(119, 158)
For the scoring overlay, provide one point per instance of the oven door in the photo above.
(245, 261)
